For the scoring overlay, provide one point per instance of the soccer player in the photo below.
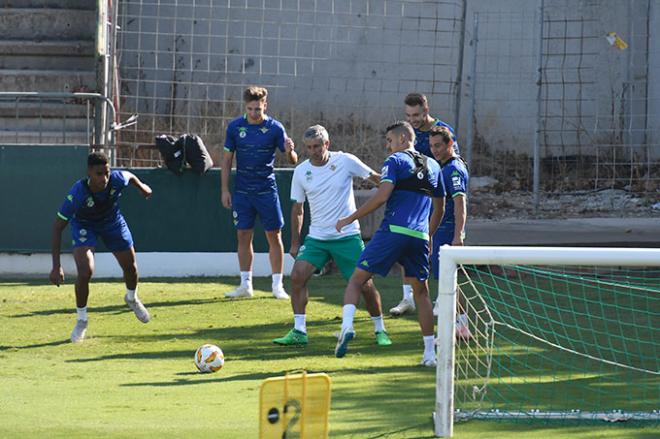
(326, 180)
(410, 183)
(418, 115)
(92, 208)
(254, 138)
(452, 228)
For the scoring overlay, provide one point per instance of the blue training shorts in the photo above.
(386, 248)
(115, 235)
(441, 237)
(267, 206)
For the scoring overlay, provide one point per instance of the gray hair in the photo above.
(316, 132)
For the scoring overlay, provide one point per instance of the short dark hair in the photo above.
(402, 127)
(438, 130)
(97, 158)
(413, 99)
(254, 94)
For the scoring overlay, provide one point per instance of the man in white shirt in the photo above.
(326, 181)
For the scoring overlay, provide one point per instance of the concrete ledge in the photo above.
(149, 265)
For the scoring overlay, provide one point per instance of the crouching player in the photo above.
(410, 183)
(92, 208)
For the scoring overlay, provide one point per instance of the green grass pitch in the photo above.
(137, 381)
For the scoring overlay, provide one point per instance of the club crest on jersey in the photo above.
(90, 202)
(242, 132)
(263, 130)
(333, 167)
(70, 198)
(83, 232)
(308, 175)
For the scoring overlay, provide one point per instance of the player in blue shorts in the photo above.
(452, 228)
(417, 114)
(410, 183)
(92, 209)
(254, 138)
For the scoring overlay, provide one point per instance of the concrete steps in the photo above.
(47, 46)
(47, 55)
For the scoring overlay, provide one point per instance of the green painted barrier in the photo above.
(183, 215)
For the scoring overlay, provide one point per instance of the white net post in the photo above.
(444, 406)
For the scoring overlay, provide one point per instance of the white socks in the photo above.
(299, 323)
(462, 319)
(379, 324)
(429, 351)
(348, 312)
(131, 294)
(407, 292)
(82, 313)
(246, 279)
(277, 281)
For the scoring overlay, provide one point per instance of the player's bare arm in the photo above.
(57, 273)
(144, 188)
(225, 172)
(378, 199)
(289, 149)
(460, 216)
(297, 212)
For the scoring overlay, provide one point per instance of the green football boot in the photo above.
(382, 339)
(293, 338)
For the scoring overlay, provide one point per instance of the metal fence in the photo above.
(345, 63)
(543, 102)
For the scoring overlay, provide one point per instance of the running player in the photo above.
(326, 181)
(254, 138)
(452, 228)
(410, 183)
(92, 208)
(418, 115)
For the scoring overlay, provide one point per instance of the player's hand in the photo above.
(289, 145)
(226, 200)
(56, 276)
(457, 241)
(341, 223)
(146, 191)
(294, 250)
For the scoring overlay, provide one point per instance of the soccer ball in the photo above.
(209, 358)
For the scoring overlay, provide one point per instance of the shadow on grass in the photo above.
(38, 345)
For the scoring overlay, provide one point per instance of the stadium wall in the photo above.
(181, 230)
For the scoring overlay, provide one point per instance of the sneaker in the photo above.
(428, 362)
(403, 307)
(280, 294)
(342, 342)
(138, 308)
(241, 291)
(78, 333)
(463, 332)
(382, 339)
(293, 338)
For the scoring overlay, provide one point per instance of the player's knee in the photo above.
(85, 273)
(298, 278)
(130, 269)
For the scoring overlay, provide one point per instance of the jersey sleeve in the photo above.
(389, 171)
(355, 166)
(438, 182)
(230, 141)
(297, 190)
(71, 203)
(455, 182)
(123, 178)
(280, 136)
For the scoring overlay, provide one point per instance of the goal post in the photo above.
(557, 299)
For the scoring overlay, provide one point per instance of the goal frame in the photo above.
(452, 256)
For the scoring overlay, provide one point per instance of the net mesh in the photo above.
(559, 343)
